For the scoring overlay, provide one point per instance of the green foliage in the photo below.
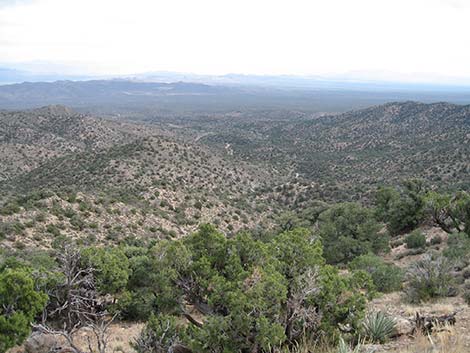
(136, 305)
(111, 268)
(305, 217)
(19, 304)
(349, 230)
(341, 300)
(378, 327)
(253, 294)
(243, 296)
(450, 212)
(429, 278)
(386, 277)
(402, 209)
(10, 209)
(458, 248)
(415, 240)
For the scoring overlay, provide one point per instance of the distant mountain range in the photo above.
(192, 94)
(10, 76)
(347, 81)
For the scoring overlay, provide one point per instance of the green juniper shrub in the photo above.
(403, 209)
(20, 302)
(451, 212)
(135, 305)
(458, 249)
(386, 277)
(254, 294)
(10, 209)
(111, 268)
(415, 240)
(349, 230)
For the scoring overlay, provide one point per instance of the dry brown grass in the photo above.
(120, 337)
(446, 340)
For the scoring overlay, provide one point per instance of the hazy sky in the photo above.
(407, 38)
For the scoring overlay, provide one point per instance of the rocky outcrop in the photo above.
(40, 343)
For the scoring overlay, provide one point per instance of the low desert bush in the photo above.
(429, 278)
(386, 277)
(415, 240)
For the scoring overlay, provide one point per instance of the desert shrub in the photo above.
(458, 249)
(111, 268)
(378, 327)
(450, 212)
(386, 277)
(415, 240)
(136, 305)
(19, 304)
(402, 209)
(429, 278)
(466, 296)
(53, 229)
(10, 209)
(349, 230)
(436, 240)
(159, 335)
(253, 293)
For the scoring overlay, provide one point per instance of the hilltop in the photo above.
(30, 138)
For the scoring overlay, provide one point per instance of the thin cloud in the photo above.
(256, 37)
(458, 4)
(10, 3)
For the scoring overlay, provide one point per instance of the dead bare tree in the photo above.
(100, 329)
(426, 324)
(302, 317)
(75, 304)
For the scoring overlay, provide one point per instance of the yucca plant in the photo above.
(378, 327)
(343, 347)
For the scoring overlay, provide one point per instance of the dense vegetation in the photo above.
(104, 221)
(247, 292)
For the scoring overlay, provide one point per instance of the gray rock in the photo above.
(403, 327)
(40, 343)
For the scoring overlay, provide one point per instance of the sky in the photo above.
(410, 40)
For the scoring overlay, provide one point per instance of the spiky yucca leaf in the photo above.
(378, 327)
(344, 348)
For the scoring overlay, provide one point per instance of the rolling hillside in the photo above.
(70, 175)
(86, 176)
(361, 149)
